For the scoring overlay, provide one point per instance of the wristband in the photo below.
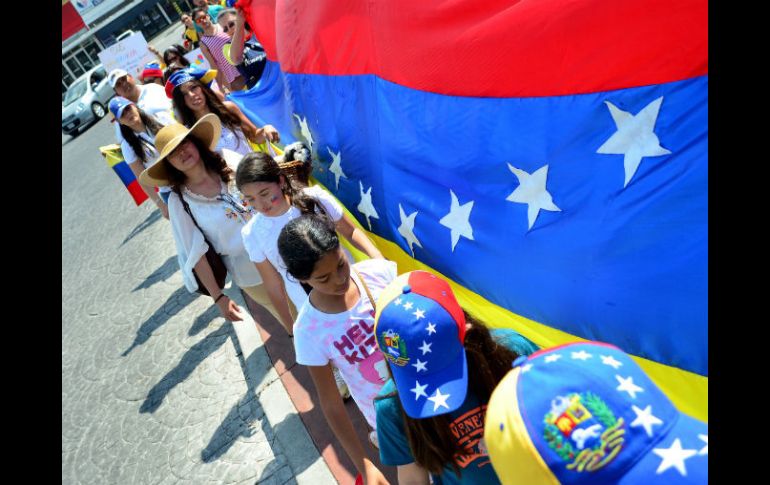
(217, 298)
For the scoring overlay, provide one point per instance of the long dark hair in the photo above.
(305, 240)
(179, 51)
(138, 144)
(261, 167)
(214, 104)
(211, 160)
(430, 439)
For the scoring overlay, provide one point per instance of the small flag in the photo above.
(114, 159)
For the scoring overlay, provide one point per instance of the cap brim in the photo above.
(451, 380)
(208, 129)
(686, 430)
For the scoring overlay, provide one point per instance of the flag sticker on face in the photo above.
(394, 348)
(583, 431)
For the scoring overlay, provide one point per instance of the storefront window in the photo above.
(74, 67)
(85, 60)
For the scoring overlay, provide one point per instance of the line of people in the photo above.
(448, 400)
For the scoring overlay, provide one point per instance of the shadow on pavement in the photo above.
(163, 273)
(190, 360)
(147, 222)
(202, 321)
(173, 305)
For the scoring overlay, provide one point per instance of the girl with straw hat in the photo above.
(205, 207)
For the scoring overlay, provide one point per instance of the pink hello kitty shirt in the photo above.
(347, 339)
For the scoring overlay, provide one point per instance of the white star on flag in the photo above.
(458, 220)
(425, 347)
(420, 366)
(673, 457)
(635, 138)
(628, 386)
(531, 191)
(365, 207)
(305, 130)
(406, 228)
(552, 358)
(609, 360)
(705, 449)
(336, 167)
(431, 328)
(439, 400)
(418, 390)
(582, 355)
(645, 419)
(408, 305)
(525, 368)
(398, 301)
(419, 314)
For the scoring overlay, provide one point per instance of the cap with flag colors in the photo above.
(586, 413)
(420, 329)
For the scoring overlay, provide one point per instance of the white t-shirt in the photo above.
(347, 339)
(222, 221)
(260, 237)
(152, 100)
(150, 153)
(233, 140)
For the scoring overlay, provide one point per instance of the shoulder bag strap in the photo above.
(187, 209)
(366, 288)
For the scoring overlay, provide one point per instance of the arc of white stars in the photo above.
(645, 419)
(303, 127)
(406, 229)
(628, 386)
(525, 368)
(532, 191)
(336, 167)
(418, 314)
(552, 358)
(365, 207)
(419, 390)
(673, 457)
(610, 361)
(439, 400)
(425, 347)
(458, 220)
(408, 305)
(420, 366)
(582, 355)
(705, 449)
(431, 328)
(635, 137)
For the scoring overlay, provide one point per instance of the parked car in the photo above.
(86, 101)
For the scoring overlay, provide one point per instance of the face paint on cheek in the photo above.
(274, 200)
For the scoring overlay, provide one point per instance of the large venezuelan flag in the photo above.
(547, 156)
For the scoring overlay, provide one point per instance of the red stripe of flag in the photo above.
(494, 48)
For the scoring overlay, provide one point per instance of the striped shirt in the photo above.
(215, 43)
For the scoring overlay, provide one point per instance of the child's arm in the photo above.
(277, 293)
(412, 474)
(337, 417)
(357, 238)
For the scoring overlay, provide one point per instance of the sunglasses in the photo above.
(228, 27)
(199, 20)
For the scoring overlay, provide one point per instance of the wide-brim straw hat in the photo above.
(207, 129)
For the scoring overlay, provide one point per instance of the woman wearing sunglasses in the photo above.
(245, 52)
(213, 42)
(205, 207)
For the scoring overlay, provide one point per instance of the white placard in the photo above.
(130, 54)
(197, 60)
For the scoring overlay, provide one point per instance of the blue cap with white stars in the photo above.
(420, 329)
(586, 413)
